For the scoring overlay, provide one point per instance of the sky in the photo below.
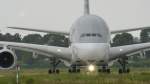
(60, 14)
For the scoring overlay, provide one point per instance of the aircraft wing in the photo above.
(59, 52)
(39, 30)
(116, 52)
(128, 30)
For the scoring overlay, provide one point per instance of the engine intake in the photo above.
(7, 59)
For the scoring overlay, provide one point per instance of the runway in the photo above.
(40, 76)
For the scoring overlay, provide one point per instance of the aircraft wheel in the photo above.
(57, 71)
(50, 71)
(74, 70)
(128, 70)
(108, 70)
(78, 70)
(99, 70)
(104, 70)
(120, 71)
(70, 71)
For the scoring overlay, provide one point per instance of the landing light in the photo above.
(91, 68)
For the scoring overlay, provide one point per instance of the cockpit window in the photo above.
(91, 35)
(88, 34)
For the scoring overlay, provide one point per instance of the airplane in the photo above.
(89, 46)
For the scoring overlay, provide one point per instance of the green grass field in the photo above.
(40, 76)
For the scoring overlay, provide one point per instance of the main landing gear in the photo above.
(123, 62)
(104, 69)
(54, 62)
(74, 69)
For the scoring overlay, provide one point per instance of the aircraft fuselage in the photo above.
(90, 39)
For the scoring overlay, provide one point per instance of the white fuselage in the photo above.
(90, 52)
(90, 39)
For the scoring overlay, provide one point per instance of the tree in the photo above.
(123, 39)
(1, 37)
(33, 38)
(145, 35)
(116, 40)
(46, 38)
(7, 37)
(17, 37)
(55, 40)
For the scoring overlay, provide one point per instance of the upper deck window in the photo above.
(91, 35)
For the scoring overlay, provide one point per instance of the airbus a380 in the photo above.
(90, 46)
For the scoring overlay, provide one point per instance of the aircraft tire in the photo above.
(69, 70)
(57, 71)
(120, 71)
(128, 70)
(50, 71)
(108, 70)
(78, 70)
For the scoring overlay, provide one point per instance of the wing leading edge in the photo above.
(60, 52)
(66, 33)
(128, 30)
(39, 30)
(120, 51)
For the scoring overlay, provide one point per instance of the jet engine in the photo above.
(7, 59)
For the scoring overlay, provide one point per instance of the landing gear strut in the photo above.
(123, 62)
(104, 69)
(54, 62)
(74, 69)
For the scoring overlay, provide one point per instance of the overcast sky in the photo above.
(60, 14)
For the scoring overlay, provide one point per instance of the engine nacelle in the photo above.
(7, 59)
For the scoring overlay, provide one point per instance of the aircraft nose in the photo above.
(91, 52)
(87, 53)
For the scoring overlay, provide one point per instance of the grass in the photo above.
(40, 76)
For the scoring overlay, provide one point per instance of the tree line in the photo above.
(127, 38)
(48, 39)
